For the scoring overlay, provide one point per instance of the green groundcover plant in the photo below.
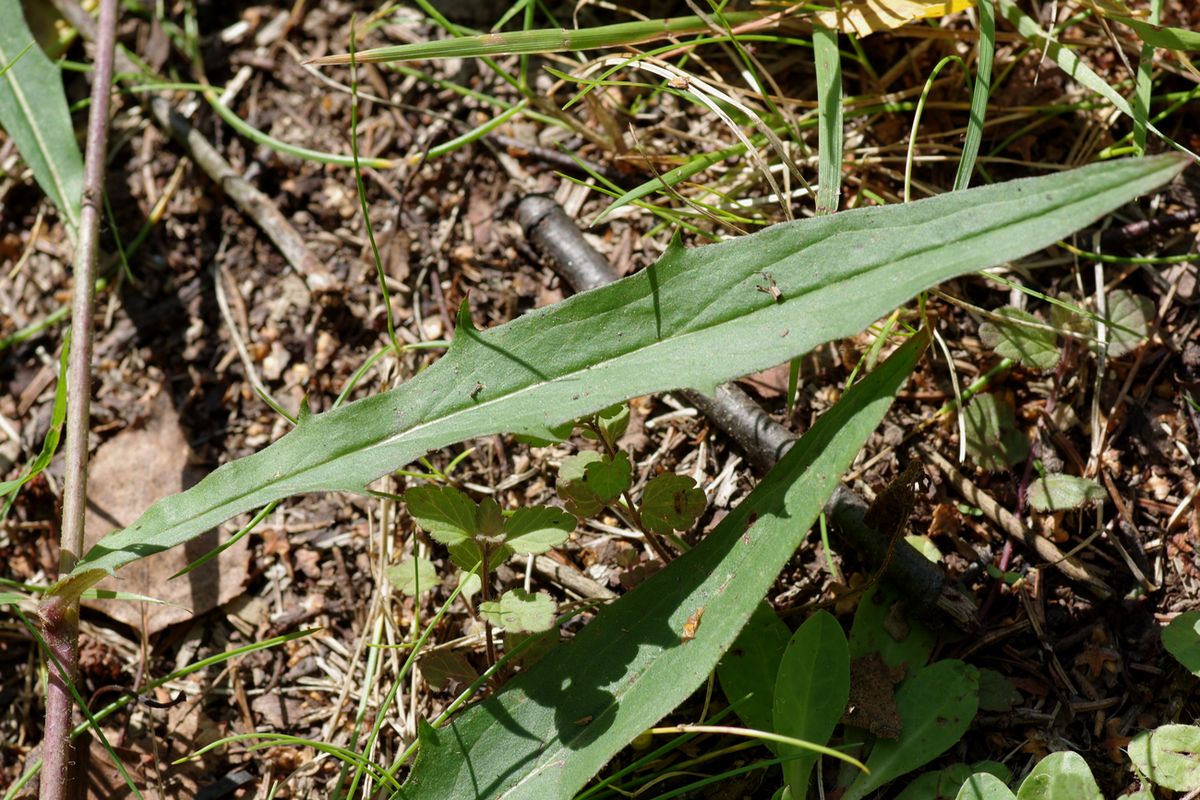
(694, 319)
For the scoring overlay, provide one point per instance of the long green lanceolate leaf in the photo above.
(33, 112)
(555, 726)
(696, 318)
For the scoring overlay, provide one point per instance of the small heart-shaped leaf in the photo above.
(537, 529)
(984, 786)
(1033, 346)
(947, 784)
(1063, 493)
(1130, 315)
(519, 610)
(413, 575)
(1060, 776)
(1169, 756)
(1182, 640)
(447, 513)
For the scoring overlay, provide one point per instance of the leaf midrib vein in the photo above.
(10, 77)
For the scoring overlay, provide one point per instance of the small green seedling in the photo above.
(482, 535)
(803, 687)
(1035, 347)
(594, 480)
(1021, 336)
(992, 436)
(1182, 640)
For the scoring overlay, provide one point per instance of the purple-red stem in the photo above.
(60, 616)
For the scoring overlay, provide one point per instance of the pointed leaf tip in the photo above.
(463, 322)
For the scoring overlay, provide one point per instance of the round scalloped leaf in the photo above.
(537, 529)
(412, 575)
(1063, 493)
(1169, 756)
(947, 784)
(671, 502)
(1060, 776)
(1130, 315)
(992, 436)
(447, 513)
(607, 479)
(1033, 347)
(984, 786)
(1182, 640)
(580, 499)
(519, 610)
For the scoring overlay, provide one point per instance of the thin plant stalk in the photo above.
(59, 615)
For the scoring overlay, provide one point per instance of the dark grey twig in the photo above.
(762, 439)
(60, 617)
(555, 236)
(1165, 223)
(921, 582)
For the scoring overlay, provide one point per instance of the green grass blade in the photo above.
(670, 178)
(33, 112)
(829, 115)
(980, 92)
(695, 319)
(1071, 64)
(1145, 85)
(912, 137)
(546, 40)
(1156, 35)
(555, 726)
(58, 415)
